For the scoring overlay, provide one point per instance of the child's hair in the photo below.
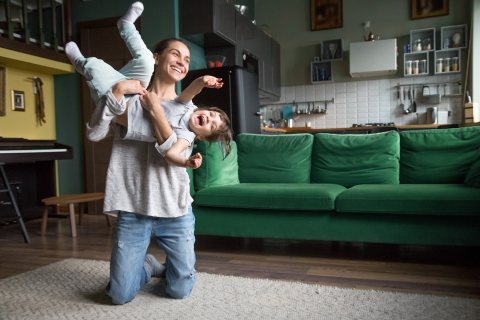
(223, 134)
(159, 48)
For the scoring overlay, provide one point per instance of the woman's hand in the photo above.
(127, 87)
(151, 102)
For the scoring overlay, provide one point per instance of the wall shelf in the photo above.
(419, 55)
(448, 32)
(326, 53)
(448, 53)
(422, 34)
(315, 68)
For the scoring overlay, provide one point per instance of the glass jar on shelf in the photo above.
(454, 66)
(439, 65)
(417, 45)
(427, 44)
(415, 66)
(446, 65)
(423, 66)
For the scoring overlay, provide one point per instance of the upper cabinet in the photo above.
(219, 29)
(207, 23)
(373, 58)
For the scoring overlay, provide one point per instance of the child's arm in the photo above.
(196, 87)
(173, 155)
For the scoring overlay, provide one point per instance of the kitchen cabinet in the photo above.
(266, 72)
(373, 58)
(276, 68)
(207, 23)
(248, 36)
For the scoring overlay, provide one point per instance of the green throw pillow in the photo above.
(354, 159)
(437, 156)
(473, 175)
(215, 171)
(274, 158)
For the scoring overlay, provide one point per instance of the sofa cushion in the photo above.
(434, 199)
(277, 196)
(215, 171)
(437, 156)
(355, 159)
(473, 174)
(274, 159)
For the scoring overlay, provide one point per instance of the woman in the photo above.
(151, 197)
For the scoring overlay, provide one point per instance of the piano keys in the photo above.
(30, 166)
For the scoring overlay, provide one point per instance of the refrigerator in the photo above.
(238, 97)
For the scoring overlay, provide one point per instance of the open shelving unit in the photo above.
(422, 34)
(448, 32)
(327, 55)
(448, 53)
(318, 65)
(418, 55)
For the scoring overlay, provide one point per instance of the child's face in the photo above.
(204, 122)
(174, 61)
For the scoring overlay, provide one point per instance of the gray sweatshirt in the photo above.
(139, 179)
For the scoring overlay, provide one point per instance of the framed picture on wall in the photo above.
(326, 14)
(18, 100)
(3, 91)
(422, 9)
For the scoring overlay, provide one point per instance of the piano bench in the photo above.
(71, 200)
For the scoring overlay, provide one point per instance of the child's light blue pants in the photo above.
(101, 77)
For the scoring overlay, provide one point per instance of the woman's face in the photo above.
(174, 61)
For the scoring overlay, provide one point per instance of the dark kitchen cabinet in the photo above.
(207, 23)
(276, 68)
(248, 37)
(266, 72)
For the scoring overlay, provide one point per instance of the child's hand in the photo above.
(195, 161)
(212, 82)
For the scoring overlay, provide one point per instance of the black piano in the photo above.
(29, 166)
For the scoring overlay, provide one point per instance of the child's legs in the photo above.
(141, 66)
(100, 76)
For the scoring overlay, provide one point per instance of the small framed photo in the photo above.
(18, 100)
(422, 9)
(326, 14)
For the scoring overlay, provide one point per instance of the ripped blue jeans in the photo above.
(128, 273)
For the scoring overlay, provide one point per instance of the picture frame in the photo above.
(3, 91)
(18, 100)
(326, 14)
(422, 9)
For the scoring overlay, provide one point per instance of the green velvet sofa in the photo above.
(405, 188)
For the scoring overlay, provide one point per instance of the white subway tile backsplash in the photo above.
(309, 93)
(300, 94)
(364, 101)
(289, 94)
(340, 87)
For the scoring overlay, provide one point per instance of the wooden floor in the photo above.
(449, 271)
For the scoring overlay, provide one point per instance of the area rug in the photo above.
(75, 289)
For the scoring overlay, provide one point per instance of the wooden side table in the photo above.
(71, 200)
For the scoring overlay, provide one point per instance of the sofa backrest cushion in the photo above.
(473, 175)
(274, 158)
(437, 155)
(215, 171)
(354, 159)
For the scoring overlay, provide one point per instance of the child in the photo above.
(206, 123)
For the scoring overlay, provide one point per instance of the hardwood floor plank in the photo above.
(438, 270)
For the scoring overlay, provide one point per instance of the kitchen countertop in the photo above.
(310, 129)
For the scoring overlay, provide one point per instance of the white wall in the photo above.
(364, 102)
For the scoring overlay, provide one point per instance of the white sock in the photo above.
(132, 14)
(73, 52)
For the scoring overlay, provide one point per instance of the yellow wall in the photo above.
(17, 124)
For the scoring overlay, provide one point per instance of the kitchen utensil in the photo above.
(410, 97)
(401, 97)
(414, 102)
(432, 115)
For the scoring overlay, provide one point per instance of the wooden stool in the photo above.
(71, 200)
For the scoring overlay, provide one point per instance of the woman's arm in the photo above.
(153, 104)
(173, 155)
(196, 87)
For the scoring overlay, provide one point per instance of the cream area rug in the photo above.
(75, 289)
